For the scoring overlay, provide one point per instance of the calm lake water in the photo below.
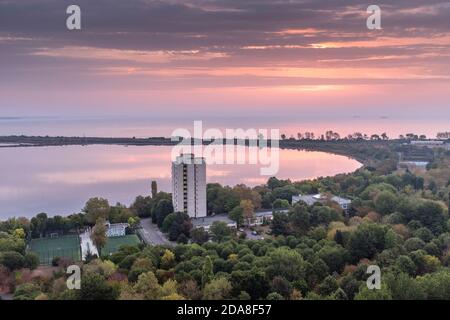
(59, 180)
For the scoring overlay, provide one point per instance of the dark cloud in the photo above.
(234, 33)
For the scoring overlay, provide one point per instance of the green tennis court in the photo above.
(113, 244)
(63, 246)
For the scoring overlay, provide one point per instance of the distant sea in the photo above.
(148, 126)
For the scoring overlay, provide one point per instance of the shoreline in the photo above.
(44, 142)
(354, 150)
(337, 147)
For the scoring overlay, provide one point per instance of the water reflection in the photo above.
(59, 180)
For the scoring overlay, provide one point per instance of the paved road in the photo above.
(151, 234)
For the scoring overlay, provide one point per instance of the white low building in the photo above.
(321, 198)
(343, 202)
(263, 217)
(207, 222)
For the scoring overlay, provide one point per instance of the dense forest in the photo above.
(398, 221)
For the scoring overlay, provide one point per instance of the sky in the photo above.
(208, 58)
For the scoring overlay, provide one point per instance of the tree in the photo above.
(248, 211)
(169, 291)
(431, 263)
(10, 243)
(244, 296)
(323, 215)
(436, 285)
(286, 263)
(403, 287)
(221, 199)
(39, 225)
(281, 286)
(246, 193)
(220, 231)
(340, 294)
(167, 223)
(413, 244)
(161, 211)
(296, 295)
(335, 257)
(199, 235)
(237, 215)
(328, 286)
(95, 287)
(207, 271)
(424, 234)
(143, 206)
(103, 267)
(339, 237)
(154, 189)
(98, 235)
(140, 266)
(274, 296)
(319, 270)
(300, 219)
(26, 291)
(350, 286)
(367, 240)
(179, 227)
(148, 286)
(96, 208)
(386, 202)
(168, 259)
(280, 204)
(120, 214)
(280, 224)
(406, 265)
(134, 222)
(285, 192)
(12, 260)
(431, 215)
(190, 290)
(19, 233)
(252, 281)
(31, 260)
(367, 294)
(273, 183)
(217, 289)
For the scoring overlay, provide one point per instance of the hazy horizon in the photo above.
(145, 126)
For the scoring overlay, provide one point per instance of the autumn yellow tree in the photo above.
(246, 193)
(248, 210)
(167, 260)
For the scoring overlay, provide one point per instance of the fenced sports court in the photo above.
(63, 246)
(113, 244)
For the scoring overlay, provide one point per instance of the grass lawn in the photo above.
(114, 243)
(63, 246)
